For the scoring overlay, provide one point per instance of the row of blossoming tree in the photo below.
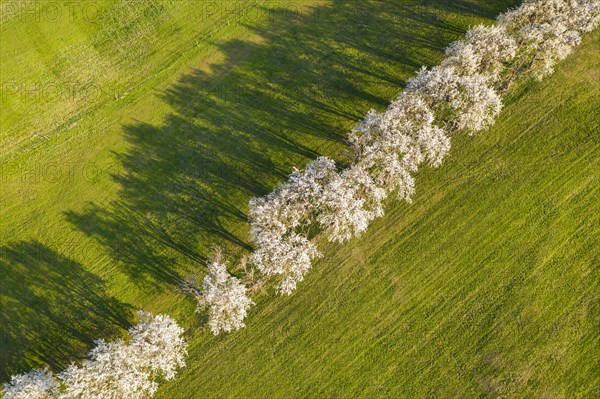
(462, 94)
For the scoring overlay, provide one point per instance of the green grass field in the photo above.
(486, 286)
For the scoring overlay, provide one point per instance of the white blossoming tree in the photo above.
(115, 370)
(465, 102)
(547, 30)
(280, 224)
(289, 258)
(391, 146)
(382, 153)
(485, 51)
(410, 126)
(350, 201)
(226, 298)
(36, 384)
(159, 343)
(129, 369)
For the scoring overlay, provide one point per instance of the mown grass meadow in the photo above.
(175, 115)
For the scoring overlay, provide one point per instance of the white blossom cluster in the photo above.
(485, 51)
(36, 384)
(461, 94)
(547, 30)
(115, 370)
(350, 201)
(465, 102)
(226, 297)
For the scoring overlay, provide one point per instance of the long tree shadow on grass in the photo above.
(51, 310)
(240, 125)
